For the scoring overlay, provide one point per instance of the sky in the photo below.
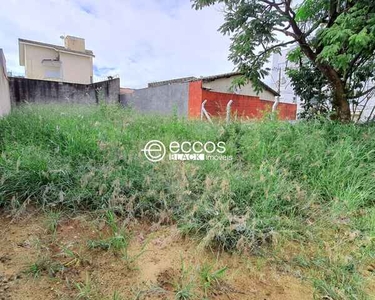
(139, 40)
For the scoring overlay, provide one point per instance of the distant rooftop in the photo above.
(177, 80)
(206, 79)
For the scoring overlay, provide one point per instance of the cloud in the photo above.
(140, 40)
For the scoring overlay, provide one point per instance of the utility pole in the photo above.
(277, 100)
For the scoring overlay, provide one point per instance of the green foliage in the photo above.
(339, 280)
(287, 182)
(277, 171)
(311, 10)
(312, 87)
(351, 34)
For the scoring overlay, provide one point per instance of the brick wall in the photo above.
(195, 99)
(243, 106)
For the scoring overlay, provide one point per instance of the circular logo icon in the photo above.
(154, 151)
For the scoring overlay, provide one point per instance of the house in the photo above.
(223, 83)
(185, 96)
(126, 91)
(69, 63)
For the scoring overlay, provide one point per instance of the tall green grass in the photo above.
(286, 181)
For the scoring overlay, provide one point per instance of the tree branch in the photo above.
(362, 93)
(314, 27)
(275, 5)
(270, 49)
(351, 65)
(333, 13)
(276, 46)
(286, 32)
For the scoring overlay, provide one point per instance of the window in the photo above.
(53, 74)
(52, 69)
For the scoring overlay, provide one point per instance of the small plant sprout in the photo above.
(116, 296)
(210, 279)
(34, 270)
(52, 221)
(185, 286)
(118, 240)
(75, 258)
(86, 290)
(44, 266)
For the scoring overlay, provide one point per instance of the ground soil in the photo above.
(167, 258)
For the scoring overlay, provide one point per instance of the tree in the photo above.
(315, 93)
(312, 88)
(337, 37)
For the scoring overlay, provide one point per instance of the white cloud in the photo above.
(141, 40)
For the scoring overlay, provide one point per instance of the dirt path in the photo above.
(60, 265)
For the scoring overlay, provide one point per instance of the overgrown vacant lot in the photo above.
(300, 198)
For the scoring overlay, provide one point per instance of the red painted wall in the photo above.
(195, 99)
(243, 106)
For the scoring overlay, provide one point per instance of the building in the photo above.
(280, 79)
(223, 83)
(69, 63)
(184, 97)
(126, 91)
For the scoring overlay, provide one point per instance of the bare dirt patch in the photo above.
(159, 264)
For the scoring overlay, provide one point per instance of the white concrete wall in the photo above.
(4, 87)
(34, 55)
(223, 85)
(76, 68)
(280, 63)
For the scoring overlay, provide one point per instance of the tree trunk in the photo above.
(340, 103)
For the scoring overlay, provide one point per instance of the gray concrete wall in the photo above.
(4, 87)
(43, 91)
(164, 100)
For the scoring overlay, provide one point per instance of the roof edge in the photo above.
(227, 75)
(176, 80)
(56, 47)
